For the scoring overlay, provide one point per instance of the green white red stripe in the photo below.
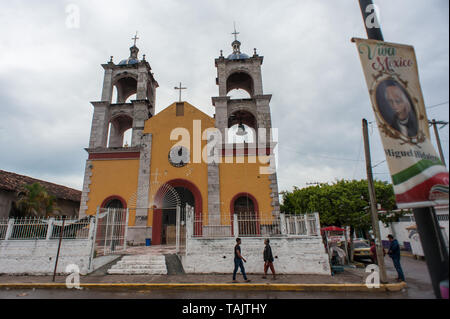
(425, 181)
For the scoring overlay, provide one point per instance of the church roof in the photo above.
(238, 56)
(14, 182)
(129, 61)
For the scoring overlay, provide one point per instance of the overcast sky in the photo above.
(49, 73)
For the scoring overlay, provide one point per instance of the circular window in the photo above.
(179, 156)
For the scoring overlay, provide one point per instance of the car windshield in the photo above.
(361, 244)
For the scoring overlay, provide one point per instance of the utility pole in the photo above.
(373, 205)
(431, 238)
(438, 140)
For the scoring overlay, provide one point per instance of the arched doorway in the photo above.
(169, 214)
(245, 207)
(114, 202)
(164, 211)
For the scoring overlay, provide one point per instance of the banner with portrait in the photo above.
(419, 177)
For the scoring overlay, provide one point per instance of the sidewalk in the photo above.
(353, 279)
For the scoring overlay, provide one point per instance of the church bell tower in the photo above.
(241, 71)
(132, 104)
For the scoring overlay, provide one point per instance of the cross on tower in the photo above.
(180, 88)
(235, 33)
(135, 38)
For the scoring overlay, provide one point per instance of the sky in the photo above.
(50, 71)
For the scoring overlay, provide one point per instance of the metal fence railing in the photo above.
(248, 224)
(3, 228)
(43, 228)
(111, 230)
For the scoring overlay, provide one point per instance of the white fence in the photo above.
(249, 225)
(29, 245)
(44, 229)
(111, 231)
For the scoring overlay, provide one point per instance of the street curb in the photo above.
(202, 286)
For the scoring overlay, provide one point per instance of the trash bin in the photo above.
(148, 241)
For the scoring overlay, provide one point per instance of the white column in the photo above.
(178, 229)
(9, 229)
(235, 226)
(50, 228)
(316, 215)
(283, 224)
(93, 237)
(307, 225)
(126, 230)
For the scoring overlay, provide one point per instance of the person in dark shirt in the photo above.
(238, 261)
(394, 253)
(268, 259)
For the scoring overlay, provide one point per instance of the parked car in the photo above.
(361, 250)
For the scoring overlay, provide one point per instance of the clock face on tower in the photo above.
(179, 156)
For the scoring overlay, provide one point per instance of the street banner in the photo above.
(419, 177)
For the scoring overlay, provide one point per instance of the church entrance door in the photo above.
(165, 218)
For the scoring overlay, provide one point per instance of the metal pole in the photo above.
(177, 239)
(371, 21)
(373, 205)
(429, 239)
(438, 141)
(59, 247)
(433, 245)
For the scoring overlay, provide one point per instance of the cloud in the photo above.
(49, 74)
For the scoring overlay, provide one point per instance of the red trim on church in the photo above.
(110, 198)
(121, 155)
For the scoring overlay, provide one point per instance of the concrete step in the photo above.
(159, 267)
(137, 272)
(140, 264)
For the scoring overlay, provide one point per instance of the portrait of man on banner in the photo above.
(396, 108)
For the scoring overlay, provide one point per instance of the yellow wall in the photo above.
(112, 177)
(161, 126)
(245, 178)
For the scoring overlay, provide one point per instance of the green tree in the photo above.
(343, 203)
(35, 201)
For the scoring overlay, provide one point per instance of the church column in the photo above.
(140, 115)
(100, 125)
(107, 83)
(142, 83)
(221, 116)
(143, 180)
(86, 189)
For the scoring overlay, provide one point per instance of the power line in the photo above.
(436, 105)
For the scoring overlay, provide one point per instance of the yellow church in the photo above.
(219, 166)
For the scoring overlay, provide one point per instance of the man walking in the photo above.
(238, 261)
(268, 259)
(394, 253)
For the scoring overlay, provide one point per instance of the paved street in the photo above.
(419, 286)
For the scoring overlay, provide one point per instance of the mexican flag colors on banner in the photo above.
(420, 179)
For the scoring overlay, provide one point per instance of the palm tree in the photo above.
(35, 201)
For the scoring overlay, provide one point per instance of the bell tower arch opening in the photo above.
(240, 81)
(129, 88)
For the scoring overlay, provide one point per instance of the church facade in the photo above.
(181, 156)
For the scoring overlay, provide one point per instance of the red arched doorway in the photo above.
(245, 206)
(164, 210)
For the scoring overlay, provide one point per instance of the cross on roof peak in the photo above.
(180, 88)
(235, 33)
(135, 38)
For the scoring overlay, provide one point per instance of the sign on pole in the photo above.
(419, 177)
